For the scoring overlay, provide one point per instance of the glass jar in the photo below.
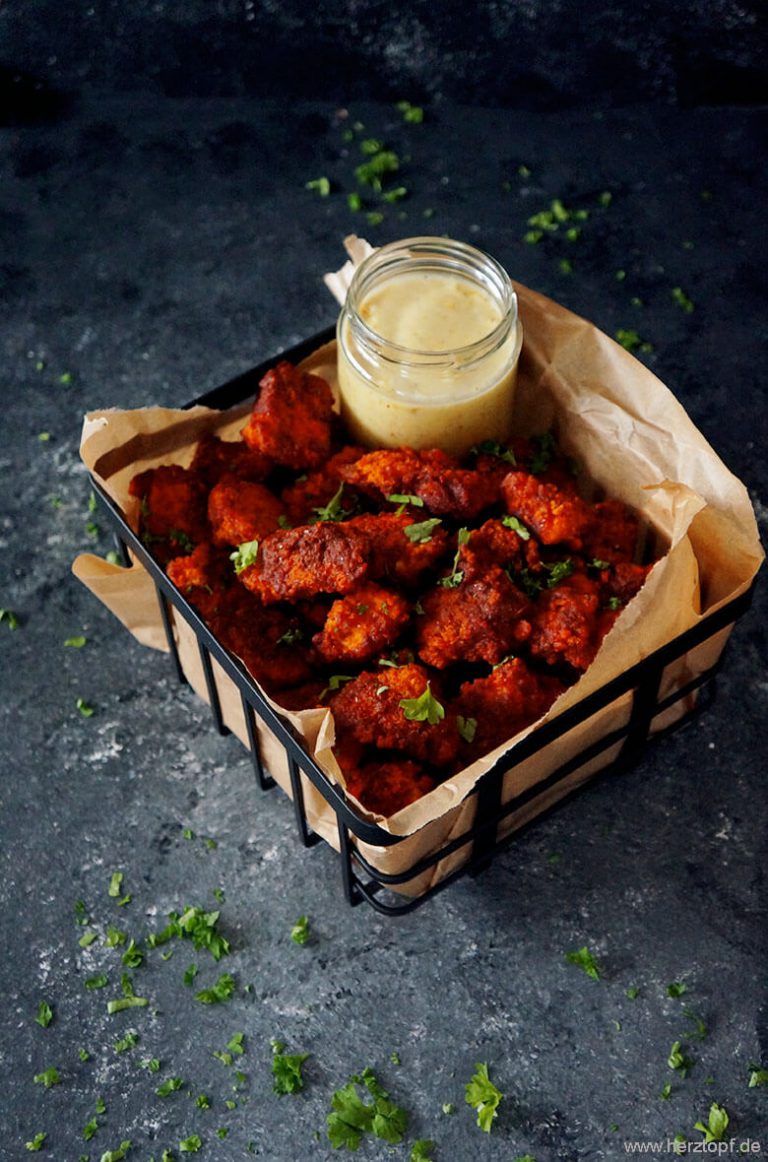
(428, 346)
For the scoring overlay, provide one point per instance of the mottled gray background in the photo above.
(529, 54)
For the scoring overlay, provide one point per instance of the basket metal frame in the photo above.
(360, 881)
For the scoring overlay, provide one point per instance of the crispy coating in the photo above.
(268, 640)
(503, 703)
(242, 510)
(386, 787)
(495, 544)
(369, 708)
(432, 475)
(482, 619)
(292, 418)
(565, 623)
(394, 556)
(557, 517)
(173, 509)
(316, 489)
(298, 564)
(360, 625)
(213, 457)
(203, 577)
(612, 532)
(624, 580)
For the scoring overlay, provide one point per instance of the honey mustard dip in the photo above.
(428, 346)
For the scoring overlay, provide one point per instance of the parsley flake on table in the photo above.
(413, 114)
(76, 643)
(717, 1124)
(322, 186)
(116, 1155)
(191, 1145)
(421, 1150)
(286, 1070)
(483, 1096)
(10, 618)
(44, 1014)
(189, 975)
(631, 341)
(99, 981)
(222, 990)
(633, 992)
(678, 1060)
(681, 298)
(129, 1041)
(90, 1129)
(36, 1143)
(757, 1076)
(87, 939)
(351, 1116)
(169, 1086)
(300, 930)
(85, 708)
(115, 884)
(585, 960)
(666, 1091)
(676, 988)
(48, 1078)
(133, 955)
(425, 708)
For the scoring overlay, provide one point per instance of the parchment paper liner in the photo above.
(632, 439)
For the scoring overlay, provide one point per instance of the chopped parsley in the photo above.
(511, 522)
(633, 992)
(191, 1145)
(456, 575)
(116, 1155)
(133, 955)
(196, 925)
(87, 939)
(169, 1086)
(85, 708)
(202, 1101)
(484, 1097)
(677, 988)
(413, 114)
(631, 341)
(76, 643)
(681, 298)
(48, 1078)
(558, 571)
(244, 555)
(36, 1143)
(757, 1076)
(44, 1014)
(222, 990)
(678, 1060)
(10, 618)
(421, 532)
(333, 510)
(405, 498)
(351, 1116)
(189, 975)
(129, 1041)
(286, 1070)
(379, 164)
(115, 937)
(421, 1150)
(717, 1124)
(115, 884)
(290, 637)
(448, 1107)
(666, 1091)
(334, 683)
(321, 185)
(99, 981)
(467, 727)
(300, 931)
(425, 708)
(585, 960)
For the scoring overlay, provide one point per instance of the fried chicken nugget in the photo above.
(556, 516)
(480, 620)
(503, 703)
(268, 640)
(384, 788)
(291, 418)
(612, 532)
(494, 543)
(397, 709)
(431, 475)
(564, 623)
(363, 623)
(203, 577)
(304, 497)
(242, 510)
(214, 457)
(173, 509)
(395, 556)
(300, 563)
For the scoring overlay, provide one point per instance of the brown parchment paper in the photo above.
(633, 441)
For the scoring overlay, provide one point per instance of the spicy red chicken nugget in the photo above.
(316, 489)
(268, 640)
(384, 788)
(203, 577)
(497, 542)
(300, 563)
(431, 475)
(242, 510)
(173, 509)
(213, 457)
(367, 620)
(291, 418)
(556, 516)
(498, 706)
(564, 623)
(611, 533)
(398, 710)
(400, 551)
(481, 619)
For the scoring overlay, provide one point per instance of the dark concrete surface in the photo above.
(150, 251)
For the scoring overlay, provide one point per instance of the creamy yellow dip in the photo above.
(425, 385)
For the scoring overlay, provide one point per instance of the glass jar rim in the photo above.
(433, 251)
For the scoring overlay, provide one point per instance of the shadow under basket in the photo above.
(616, 724)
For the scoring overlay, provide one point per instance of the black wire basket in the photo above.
(493, 823)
